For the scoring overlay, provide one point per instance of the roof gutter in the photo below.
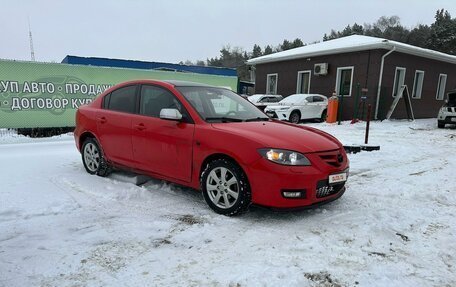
(380, 81)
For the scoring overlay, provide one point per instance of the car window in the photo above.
(105, 102)
(122, 100)
(318, 99)
(154, 99)
(274, 99)
(309, 99)
(296, 98)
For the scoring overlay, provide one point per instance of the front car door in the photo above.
(162, 146)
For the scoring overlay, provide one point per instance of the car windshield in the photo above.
(451, 101)
(221, 105)
(293, 99)
(254, 98)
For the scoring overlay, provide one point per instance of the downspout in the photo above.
(380, 81)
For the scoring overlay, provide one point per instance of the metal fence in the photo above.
(7, 132)
(35, 132)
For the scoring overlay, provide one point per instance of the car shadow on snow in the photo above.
(260, 213)
(195, 200)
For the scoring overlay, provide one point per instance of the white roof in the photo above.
(348, 44)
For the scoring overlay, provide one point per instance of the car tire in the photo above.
(295, 117)
(324, 114)
(93, 158)
(440, 125)
(225, 187)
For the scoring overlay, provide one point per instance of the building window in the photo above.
(441, 87)
(303, 86)
(344, 81)
(271, 84)
(399, 80)
(418, 84)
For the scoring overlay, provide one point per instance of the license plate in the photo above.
(453, 119)
(339, 177)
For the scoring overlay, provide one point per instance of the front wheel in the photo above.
(440, 125)
(324, 115)
(225, 187)
(93, 158)
(295, 117)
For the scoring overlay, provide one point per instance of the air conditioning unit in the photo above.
(321, 69)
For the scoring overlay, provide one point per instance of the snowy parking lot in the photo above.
(394, 226)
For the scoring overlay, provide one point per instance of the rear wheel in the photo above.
(324, 114)
(225, 187)
(93, 158)
(295, 117)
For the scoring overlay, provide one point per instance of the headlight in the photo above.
(285, 157)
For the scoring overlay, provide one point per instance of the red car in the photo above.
(212, 139)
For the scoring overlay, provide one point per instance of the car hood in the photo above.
(275, 134)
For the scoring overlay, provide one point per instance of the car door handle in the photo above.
(102, 120)
(140, 127)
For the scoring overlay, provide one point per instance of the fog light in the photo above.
(293, 193)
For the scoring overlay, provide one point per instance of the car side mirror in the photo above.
(170, 114)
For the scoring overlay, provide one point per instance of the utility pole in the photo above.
(32, 52)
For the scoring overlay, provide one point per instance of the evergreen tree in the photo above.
(256, 52)
(267, 50)
(443, 33)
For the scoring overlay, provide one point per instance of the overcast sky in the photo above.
(173, 30)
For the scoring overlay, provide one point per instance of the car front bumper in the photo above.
(448, 120)
(269, 181)
(277, 114)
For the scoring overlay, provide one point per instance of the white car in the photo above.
(447, 113)
(262, 101)
(298, 107)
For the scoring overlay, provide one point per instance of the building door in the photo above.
(271, 84)
(303, 82)
(399, 79)
(344, 81)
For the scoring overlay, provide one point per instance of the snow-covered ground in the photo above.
(395, 225)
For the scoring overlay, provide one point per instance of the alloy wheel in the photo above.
(91, 157)
(222, 187)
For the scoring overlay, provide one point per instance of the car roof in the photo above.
(306, 95)
(177, 83)
(260, 96)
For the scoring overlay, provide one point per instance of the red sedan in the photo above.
(212, 139)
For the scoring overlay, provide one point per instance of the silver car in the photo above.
(447, 113)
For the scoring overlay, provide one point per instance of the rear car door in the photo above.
(162, 146)
(114, 124)
(320, 103)
(307, 108)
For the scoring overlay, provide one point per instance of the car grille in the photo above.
(452, 110)
(333, 158)
(324, 189)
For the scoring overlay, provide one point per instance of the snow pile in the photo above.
(394, 226)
